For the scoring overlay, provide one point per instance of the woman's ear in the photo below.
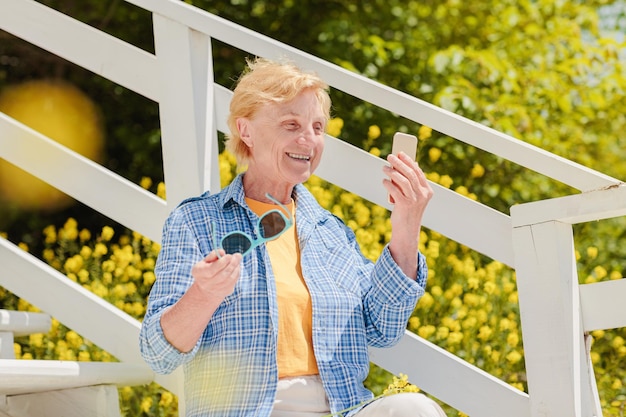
(243, 125)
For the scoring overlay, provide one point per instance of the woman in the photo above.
(264, 296)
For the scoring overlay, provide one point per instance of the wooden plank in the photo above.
(452, 380)
(468, 131)
(559, 375)
(602, 304)
(82, 179)
(30, 376)
(99, 321)
(604, 203)
(97, 51)
(23, 323)
(182, 137)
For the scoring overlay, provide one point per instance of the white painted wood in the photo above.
(90, 401)
(559, 378)
(604, 203)
(81, 178)
(23, 323)
(397, 102)
(457, 383)
(7, 351)
(29, 376)
(68, 38)
(180, 134)
(193, 109)
(99, 321)
(603, 305)
(480, 227)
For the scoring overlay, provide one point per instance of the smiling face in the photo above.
(285, 140)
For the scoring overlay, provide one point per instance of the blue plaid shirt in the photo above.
(232, 369)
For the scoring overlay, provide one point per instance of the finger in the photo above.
(214, 255)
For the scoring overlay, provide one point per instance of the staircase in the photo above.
(536, 238)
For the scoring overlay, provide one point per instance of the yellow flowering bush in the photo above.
(470, 307)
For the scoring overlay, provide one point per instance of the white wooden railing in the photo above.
(536, 239)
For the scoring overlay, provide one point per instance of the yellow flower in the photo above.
(84, 235)
(50, 233)
(48, 254)
(23, 246)
(161, 190)
(426, 331)
(426, 301)
(477, 171)
(513, 357)
(490, 287)
(84, 356)
(166, 399)
(146, 182)
(85, 252)
(83, 276)
(100, 250)
(107, 233)
(70, 229)
(36, 340)
(433, 176)
(455, 338)
(600, 272)
(434, 154)
(373, 132)
(17, 349)
(334, 126)
(148, 278)
(484, 333)
(146, 405)
(436, 291)
(473, 283)
(442, 333)
(424, 132)
(617, 342)
(617, 384)
(446, 181)
(592, 252)
(375, 151)
(512, 339)
(73, 339)
(461, 189)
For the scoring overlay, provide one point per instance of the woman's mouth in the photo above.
(299, 157)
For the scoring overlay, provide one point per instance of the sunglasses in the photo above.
(269, 226)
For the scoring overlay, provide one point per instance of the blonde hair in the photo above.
(264, 82)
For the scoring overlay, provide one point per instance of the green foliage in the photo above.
(544, 71)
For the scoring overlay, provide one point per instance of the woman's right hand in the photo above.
(216, 276)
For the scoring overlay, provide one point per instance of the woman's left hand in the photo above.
(410, 193)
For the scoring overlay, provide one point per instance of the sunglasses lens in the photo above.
(272, 224)
(236, 243)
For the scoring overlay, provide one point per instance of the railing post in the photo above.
(560, 377)
(182, 106)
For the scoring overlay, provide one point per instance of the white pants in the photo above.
(305, 397)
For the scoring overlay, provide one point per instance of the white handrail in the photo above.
(194, 110)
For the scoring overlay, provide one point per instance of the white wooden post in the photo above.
(560, 380)
(180, 134)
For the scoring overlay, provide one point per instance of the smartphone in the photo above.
(403, 142)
